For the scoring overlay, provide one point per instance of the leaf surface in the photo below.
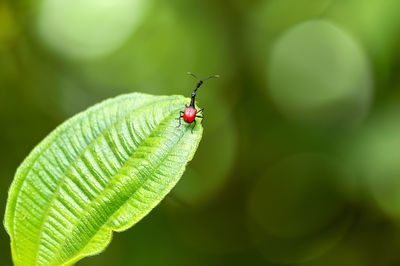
(100, 171)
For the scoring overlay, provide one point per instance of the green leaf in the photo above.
(101, 171)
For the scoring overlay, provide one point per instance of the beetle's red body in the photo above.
(189, 115)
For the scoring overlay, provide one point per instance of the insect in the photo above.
(190, 113)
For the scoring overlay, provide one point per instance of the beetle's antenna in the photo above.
(190, 73)
(215, 76)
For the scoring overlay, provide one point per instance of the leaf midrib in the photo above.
(62, 181)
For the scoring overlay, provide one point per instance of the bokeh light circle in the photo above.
(318, 74)
(375, 153)
(87, 29)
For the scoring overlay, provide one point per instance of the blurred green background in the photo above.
(300, 158)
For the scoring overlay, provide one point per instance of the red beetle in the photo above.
(190, 113)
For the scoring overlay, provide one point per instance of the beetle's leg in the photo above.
(186, 105)
(202, 118)
(180, 115)
(194, 124)
(179, 118)
(202, 115)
